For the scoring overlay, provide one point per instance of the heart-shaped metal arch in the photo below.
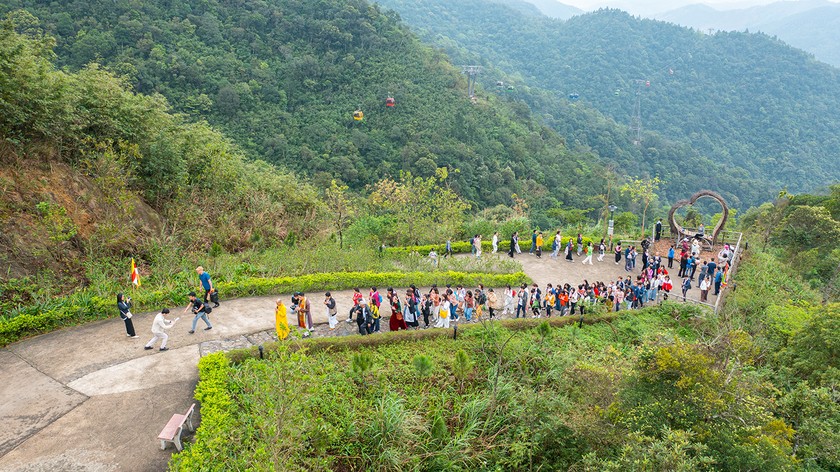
(676, 229)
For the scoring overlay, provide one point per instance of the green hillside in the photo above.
(283, 78)
(766, 111)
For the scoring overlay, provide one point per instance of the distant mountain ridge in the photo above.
(765, 110)
(811, 25)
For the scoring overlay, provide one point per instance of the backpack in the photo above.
(208, 309)
(482, 298)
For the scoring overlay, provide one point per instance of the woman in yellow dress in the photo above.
(280, 321)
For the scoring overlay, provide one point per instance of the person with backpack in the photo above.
(533, 248)
(375, 305)
(210, 293)
(200, 310)
(480, 301)
(550, 299)
(539, 244)
(686, 286)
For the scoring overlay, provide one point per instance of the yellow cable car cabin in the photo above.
(358, 115)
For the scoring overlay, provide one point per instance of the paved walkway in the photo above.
(90, 399)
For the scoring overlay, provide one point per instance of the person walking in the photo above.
(124, 306)
(508, 295)
(704, 288)
(281, 322)
(200, 310)
(210, 293)
(658, 230)
(491, 302)
(332, 312)
(448, 248)
(589, 252)
(602, 250)
(686, 286)
(304, 310)
(522, 302)
(539, 244)
(617, 251)
(533, 248)
(364, 319)
(159, 327)
(569, 256)
(477, 243)
(671, 257)
(579, 244)
(495, 242)
(512, 244)
(555, 245)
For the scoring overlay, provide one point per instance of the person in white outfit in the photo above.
(443, 314)
(159, 327)
(495, 242)
(508, 301)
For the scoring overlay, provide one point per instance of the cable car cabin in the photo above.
(510, 88)
(573, 96)
(500, 84)
(358, 115)
(390, 102)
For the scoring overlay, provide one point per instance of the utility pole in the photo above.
(636, 120)
(472, 72)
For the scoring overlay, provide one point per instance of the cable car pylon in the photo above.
(472, 72)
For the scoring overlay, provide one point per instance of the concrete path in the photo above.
(90, 399)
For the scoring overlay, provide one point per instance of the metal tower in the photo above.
(636, 120)
(472, 72)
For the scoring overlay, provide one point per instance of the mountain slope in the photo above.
(283, 77)
(91, 171)
(811, 25)
(747, 101)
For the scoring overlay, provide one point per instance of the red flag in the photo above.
(135, 274)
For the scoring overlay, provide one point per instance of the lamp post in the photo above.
(610, 226)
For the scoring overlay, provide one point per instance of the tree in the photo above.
(341, 208)
(643, 191)
(807, 227)
(418, 207)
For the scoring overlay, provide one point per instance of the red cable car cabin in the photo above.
(390, 102)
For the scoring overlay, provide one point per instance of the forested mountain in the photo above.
(550, 8)
(767, 111)
(811, 25)
(283, 78)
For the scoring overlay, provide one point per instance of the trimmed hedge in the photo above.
(82, 308)
(343, 343)
(212, 392)
(463, 247)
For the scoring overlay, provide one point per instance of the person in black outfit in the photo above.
(124, 305)
(364, 318)
(512, 244)
(658, 231)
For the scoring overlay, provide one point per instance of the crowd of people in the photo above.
(200, 308)
(440, 306)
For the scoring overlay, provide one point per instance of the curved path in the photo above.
(89, 398)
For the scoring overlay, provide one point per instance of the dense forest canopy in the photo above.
(282, 79)
(761, 108)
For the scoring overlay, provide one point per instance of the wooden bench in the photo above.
(172, 431)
